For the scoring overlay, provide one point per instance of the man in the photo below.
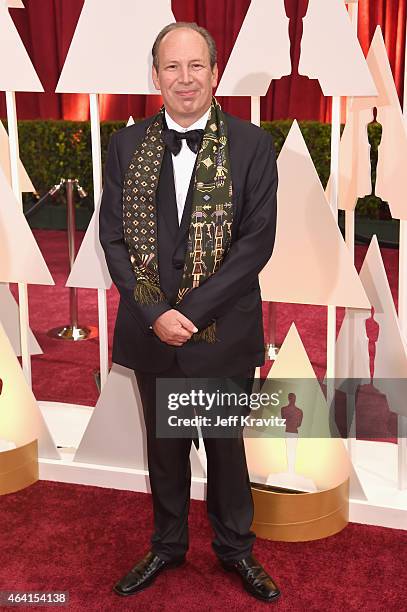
(187, 221)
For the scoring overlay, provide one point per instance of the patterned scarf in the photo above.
(211, 215)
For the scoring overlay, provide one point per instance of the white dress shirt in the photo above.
(184, 162)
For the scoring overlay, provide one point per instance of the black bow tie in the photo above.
(173, 139)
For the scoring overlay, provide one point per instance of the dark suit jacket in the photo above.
(231, 296)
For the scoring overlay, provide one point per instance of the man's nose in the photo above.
(185, 75)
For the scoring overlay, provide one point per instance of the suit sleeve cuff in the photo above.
(153, 311)
(199, 321)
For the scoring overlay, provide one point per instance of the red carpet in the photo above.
(65, 372)
(82, 539)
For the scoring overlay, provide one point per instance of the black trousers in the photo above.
(229, 498)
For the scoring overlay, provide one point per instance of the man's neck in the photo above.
(186, 122)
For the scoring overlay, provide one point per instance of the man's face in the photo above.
(184, 75)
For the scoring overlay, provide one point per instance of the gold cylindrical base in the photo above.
(299, 517)
(18, 468)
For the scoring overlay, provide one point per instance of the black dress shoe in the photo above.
(144, 573)
(254, 577)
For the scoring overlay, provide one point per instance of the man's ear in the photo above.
(156, 81)
(215, 74)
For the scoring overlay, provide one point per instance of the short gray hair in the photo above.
(191, 26)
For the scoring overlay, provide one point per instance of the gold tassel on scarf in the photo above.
(147, 293)
(207, 335)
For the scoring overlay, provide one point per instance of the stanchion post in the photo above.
(71, 227)
(72, 331)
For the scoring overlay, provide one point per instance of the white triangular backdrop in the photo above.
(115, 434)
(311, 263)
(21, 420)
(20, 257)
(261, 52)
(26, 185)
(9, 318)
(331, 52)
(110, 50)
(18, 75)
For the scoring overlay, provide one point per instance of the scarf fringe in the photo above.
(207, 335)
(147, 293)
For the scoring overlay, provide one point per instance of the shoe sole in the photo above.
(171, 565)
(248, 589)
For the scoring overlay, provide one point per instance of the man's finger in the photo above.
(185, 322)
(181, 336)
(181, 331)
